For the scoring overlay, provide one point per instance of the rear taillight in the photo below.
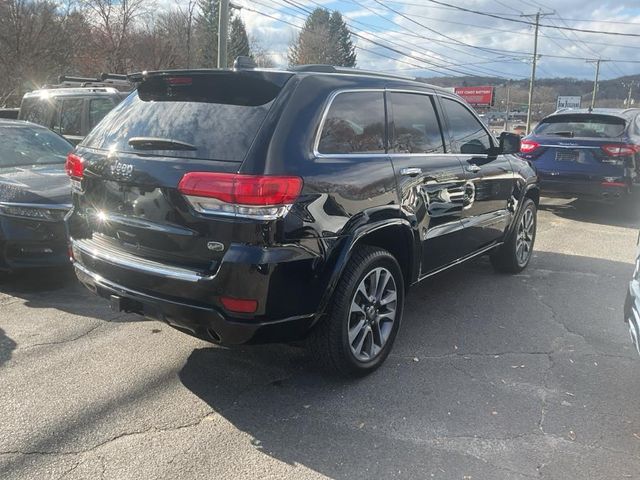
(74, 166)
(253, 196)
(620, 150)
(528, 146)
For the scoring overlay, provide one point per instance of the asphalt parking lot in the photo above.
(492, 377)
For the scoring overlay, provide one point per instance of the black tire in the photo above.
(507, 258)
(329, 341)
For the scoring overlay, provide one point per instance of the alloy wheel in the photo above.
(372, 314)
(525, 235)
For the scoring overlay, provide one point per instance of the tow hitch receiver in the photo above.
(123, 304)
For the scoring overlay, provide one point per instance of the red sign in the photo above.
(476, 96)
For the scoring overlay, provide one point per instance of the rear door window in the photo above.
(468, 136)
(71, 116)
(355, 123)
(582, 125)
(414, 125)
(98, 108)
(218, 115)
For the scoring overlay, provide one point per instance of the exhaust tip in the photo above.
(213, 335)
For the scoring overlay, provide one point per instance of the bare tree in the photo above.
(33, 46)
(113, 23)
(177, 27)
(260, 55)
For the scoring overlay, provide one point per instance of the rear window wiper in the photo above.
(153, 143)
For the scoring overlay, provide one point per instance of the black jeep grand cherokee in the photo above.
(254, 206)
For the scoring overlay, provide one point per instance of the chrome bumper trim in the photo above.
(131, 262)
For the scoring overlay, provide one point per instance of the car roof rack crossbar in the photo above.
(104, 80)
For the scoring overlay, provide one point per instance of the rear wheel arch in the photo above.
(395, 236)
(533, 193)
(397, 239)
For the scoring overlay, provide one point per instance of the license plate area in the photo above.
(567, 155)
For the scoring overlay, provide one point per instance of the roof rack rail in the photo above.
(115, 80)
(321, 68)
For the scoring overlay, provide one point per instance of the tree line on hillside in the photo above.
(612, 93)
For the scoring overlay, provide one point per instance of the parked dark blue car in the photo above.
(35, 195)
(587, 153)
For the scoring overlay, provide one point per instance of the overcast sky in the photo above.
(500, 45)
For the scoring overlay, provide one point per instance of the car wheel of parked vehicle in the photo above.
(357, 334)
(514, 255)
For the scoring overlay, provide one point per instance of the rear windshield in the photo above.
(24, 146)
(37, 110)
(212, 116)
(582, 125)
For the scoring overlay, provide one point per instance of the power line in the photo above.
(483, 70)
(484, 49)
(530, 23)
(522, 32)
(453, 7)
(421, 67)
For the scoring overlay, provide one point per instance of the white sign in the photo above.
(568, 101)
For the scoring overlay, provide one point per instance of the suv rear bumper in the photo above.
(208, 324)
(189, 300)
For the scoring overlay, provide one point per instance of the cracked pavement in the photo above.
(491, 377)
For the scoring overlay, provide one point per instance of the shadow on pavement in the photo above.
(6, 347)
(60, 289)
(619, 214)
(409, 418)
(390, 423)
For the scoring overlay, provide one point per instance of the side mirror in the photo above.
(509, 143)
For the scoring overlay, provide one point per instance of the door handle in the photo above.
(411, 172)
(473, 168)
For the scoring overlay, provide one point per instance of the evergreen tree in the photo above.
(207, 33)
(344, 51)
(324, 38)
(313, 42)
(238, 40)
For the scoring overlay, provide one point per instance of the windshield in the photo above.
(582, 125)
(216, 116)
(24, 145)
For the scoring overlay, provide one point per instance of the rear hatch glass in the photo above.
(200, 116)
(582, 125)
(175, 123)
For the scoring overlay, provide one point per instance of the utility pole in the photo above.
(628, 105)
(533, 65)
(506, 117)
(223, 26)
(595, 81)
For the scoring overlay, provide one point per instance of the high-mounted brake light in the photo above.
(620, 149)
(528, 146)
(74, 166)
(253, 196)
(176, 81)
